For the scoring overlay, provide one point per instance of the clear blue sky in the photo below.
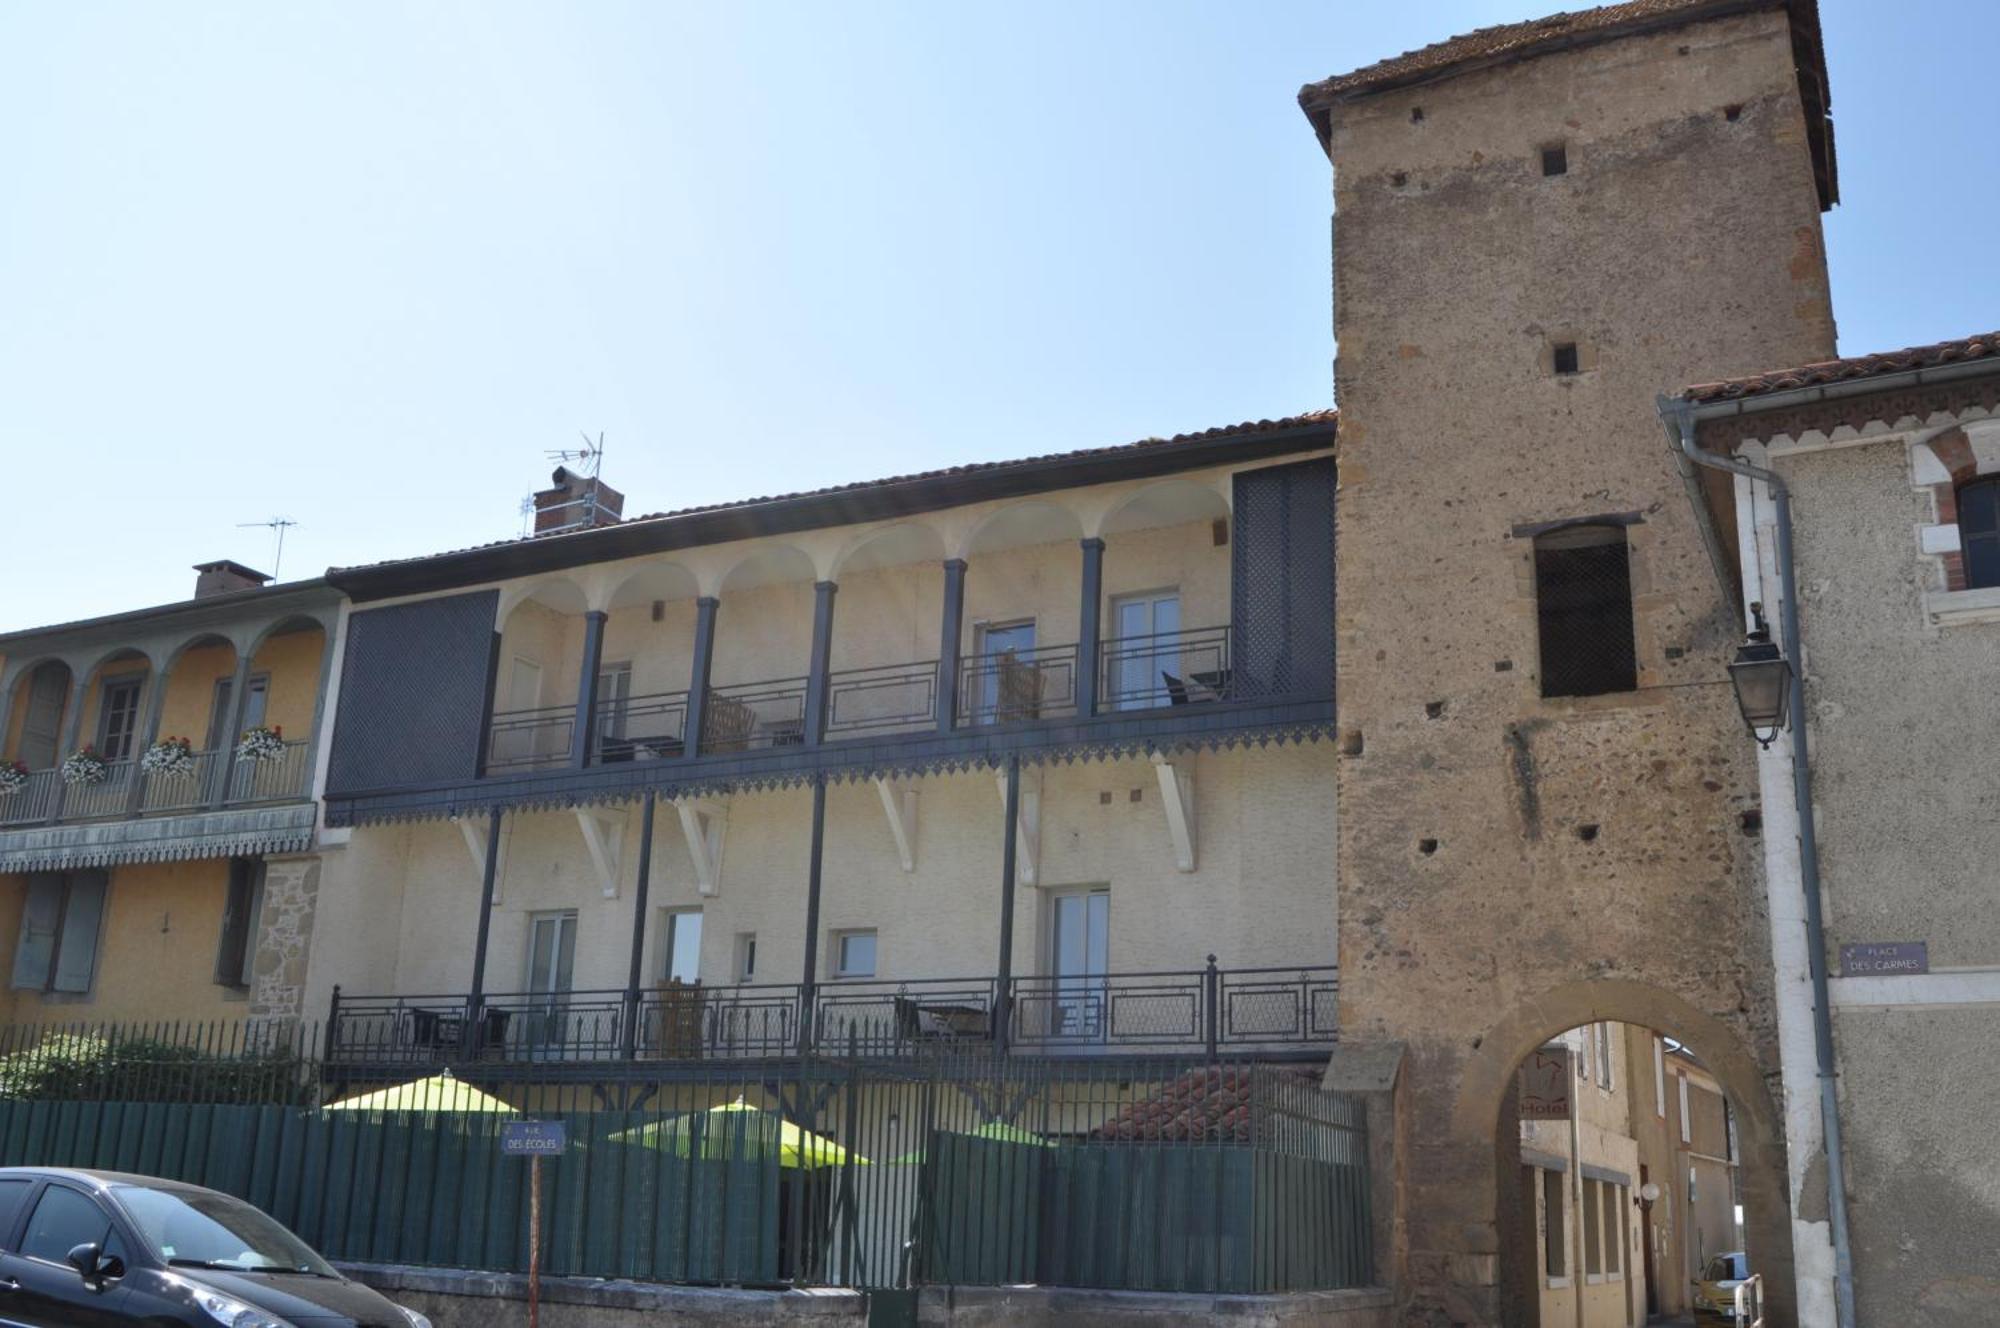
(361, 265)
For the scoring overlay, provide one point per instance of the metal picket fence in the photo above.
(1172, 1174)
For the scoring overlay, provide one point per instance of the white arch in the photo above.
(1167, 502)
(290, 621)
(645, 583)
(889, 546)
(560, 594)
(770, 564)
(1031, 521)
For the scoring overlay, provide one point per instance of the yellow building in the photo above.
(157, 789)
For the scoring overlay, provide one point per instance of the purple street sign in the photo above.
(1884, 959)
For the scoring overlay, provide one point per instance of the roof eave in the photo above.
(777, 516)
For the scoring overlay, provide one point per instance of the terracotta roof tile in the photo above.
(1984, 345)
(1209, 1105)
(1248, 428)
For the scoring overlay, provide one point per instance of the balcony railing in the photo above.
(753, 716)
(129, 790)
(1015, 686)
(1189, 667)
(891, 698)
(1197, 1011)
(640, 728)
(530, 739)
(1164, 668)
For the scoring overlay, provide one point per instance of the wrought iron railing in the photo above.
(128, 789)
(889, 698)
(1164, 668)
(530, 739)
(752, 716)
(1190, 1012)
(640, 728)
(1015, 686)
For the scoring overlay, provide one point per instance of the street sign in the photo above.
(1545, 1085)
(532, 1138)
(1884, 959)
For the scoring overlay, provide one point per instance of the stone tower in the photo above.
(1544, 790)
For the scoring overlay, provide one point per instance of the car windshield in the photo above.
(206, 1230)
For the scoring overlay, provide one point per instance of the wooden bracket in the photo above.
(703, 825)
(604, 836)
(901, 809)
(1028, 834)
(1177, 796)
(474, 832)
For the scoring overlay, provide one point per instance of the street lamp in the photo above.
(1762, 677)
(1649, 1194)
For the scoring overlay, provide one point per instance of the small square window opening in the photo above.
(1555, 160)
(854, 954)
(1565, 358)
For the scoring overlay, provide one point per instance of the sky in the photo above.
(363, 266)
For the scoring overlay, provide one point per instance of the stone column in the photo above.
(283, 951)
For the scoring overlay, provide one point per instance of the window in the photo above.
(13, 1193)
(1583, 603)
(1008, 687)
(1145, 663)
(680, 945)
(1555, 1237)
(64, 1219)
(746, 956)
(1603, 1032)
(1563, 358)
(118, 716)
(1687, 1126)
(242, 910)
(220, 715)
(57, 950)
(614, 701)
(1979, 532)
(551, 951)
(1614, 1229)
(1659, 1079)
(1555, 159)
(1593, 1249)
(854, 954)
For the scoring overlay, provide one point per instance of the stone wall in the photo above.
(284, 937)
(1511, 866)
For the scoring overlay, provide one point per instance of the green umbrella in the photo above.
(724, 1136)
(440, 1092)
(998, 1131)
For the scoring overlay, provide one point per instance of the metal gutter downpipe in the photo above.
(1681, 415)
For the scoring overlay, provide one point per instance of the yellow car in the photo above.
(1715, 1289)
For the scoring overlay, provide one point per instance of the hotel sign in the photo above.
(1879, 959)
(1546, 1085)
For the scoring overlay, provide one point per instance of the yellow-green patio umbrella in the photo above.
(440, 1092)
(997, 1131)
(724, 1135)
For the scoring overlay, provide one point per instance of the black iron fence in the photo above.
(967, 1167)
(1202, 1011)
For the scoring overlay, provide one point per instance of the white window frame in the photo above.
(1660, 1078)
(837, 956)
(1687, 1125)
(670, 917)
(1605, 1080)
(746, 957)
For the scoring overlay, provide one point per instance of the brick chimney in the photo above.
(223, 576)
(576, 502)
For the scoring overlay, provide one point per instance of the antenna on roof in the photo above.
(589, 458)
(277, 525)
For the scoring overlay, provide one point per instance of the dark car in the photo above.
(80, 1249)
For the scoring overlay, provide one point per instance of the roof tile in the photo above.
(1981, 346)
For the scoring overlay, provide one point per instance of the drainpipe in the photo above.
(1680, 415)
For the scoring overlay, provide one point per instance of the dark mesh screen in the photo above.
(1979, 532)
(1583, 600)
(1281, 584)
(412, 704)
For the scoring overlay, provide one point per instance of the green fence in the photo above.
(812, 1171)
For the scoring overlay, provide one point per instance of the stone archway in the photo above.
(1483, 1111)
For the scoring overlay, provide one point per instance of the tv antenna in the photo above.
(277, 525)
(589, 458)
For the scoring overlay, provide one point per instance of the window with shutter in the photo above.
(41, 919)
(76, 945)
(240, 917)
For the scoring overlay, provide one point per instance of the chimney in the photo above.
(576, 502)
(223, 576)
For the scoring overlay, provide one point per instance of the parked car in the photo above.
(90, 1249)
(1715, 1289)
